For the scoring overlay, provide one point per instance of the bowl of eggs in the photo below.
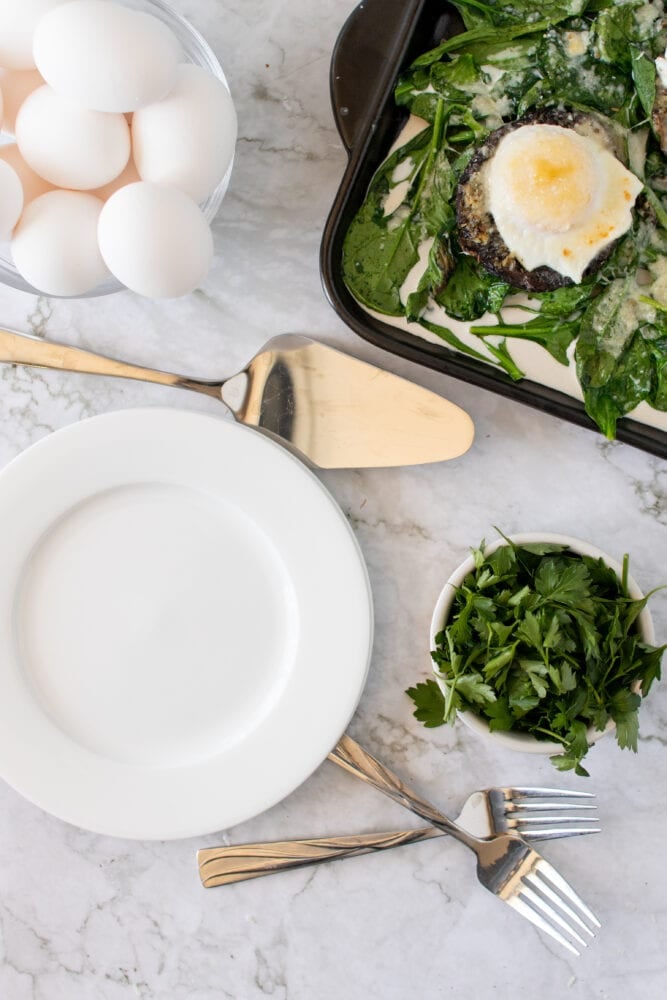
(117, 142)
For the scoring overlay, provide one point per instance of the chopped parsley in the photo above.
(544, 641)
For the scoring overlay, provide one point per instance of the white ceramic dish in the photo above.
(522, 741)
(185, 623)
(195, 50)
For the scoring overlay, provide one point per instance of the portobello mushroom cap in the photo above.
(659, 115)
(478, 234)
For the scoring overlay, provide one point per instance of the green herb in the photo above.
(381, 249)
(643, 75)
(595, 56)
(471, 291)
(583, 81)
(619, 352)
(553, 334)
(544, 641)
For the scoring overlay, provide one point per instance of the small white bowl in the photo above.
(522, 741)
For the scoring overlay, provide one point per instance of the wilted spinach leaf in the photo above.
(555, 335)
(471, 291)
(499, 12)
(643, 74)
(582, 81)
(620, 356)
(381, 249)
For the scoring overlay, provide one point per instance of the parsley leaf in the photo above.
(430, 703)
(563, 581)
(624, 711)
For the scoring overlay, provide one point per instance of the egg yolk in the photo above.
(550, 180)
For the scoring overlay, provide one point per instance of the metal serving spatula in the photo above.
(326, 406)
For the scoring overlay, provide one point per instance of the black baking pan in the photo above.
(379, 41)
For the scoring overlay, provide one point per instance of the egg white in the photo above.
(558, 198)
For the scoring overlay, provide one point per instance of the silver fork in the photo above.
(485, 813)
(489, 821)
(506, 865)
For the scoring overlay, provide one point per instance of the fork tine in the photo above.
(543, 822)
(520, 791)
(549, 819)
(530, 824)
(540, 904)
(533, 813)
(546, 890)
(550, 873)
(529, 913)
(556, 833)
(547, 806)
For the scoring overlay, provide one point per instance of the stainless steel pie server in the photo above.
(328, 407)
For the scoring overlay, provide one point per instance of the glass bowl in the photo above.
(195, 50)
(516, 740)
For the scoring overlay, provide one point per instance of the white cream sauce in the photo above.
(534, 361)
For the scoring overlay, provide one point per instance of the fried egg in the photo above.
(558, 197)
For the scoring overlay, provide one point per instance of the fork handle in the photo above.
(224, 865)
(349, 755)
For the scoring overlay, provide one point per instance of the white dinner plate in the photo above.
(185, 623)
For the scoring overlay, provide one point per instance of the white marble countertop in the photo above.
(84, 917)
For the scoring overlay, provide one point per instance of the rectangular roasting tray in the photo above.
(377, 43)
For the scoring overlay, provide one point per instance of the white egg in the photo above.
(55, 244)
(11, 199)
(18, 20)
(33, 185)
(187, 139)
(558, 197)
(105, 56)
(71, 146)
(155, 240)
(16, 85)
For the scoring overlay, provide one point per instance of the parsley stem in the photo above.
(550, 734)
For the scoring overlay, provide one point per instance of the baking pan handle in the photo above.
(364, 57)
